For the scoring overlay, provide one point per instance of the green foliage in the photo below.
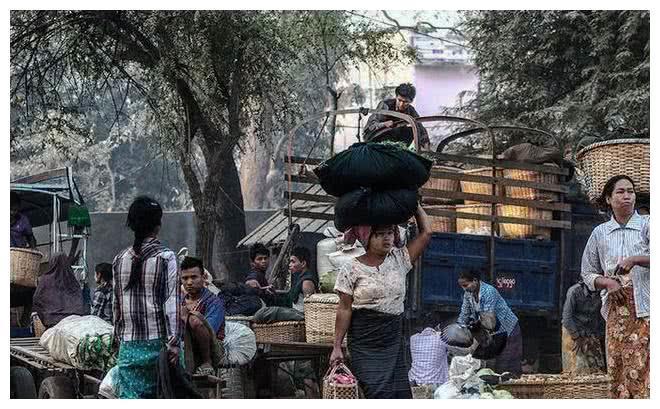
(575, 73)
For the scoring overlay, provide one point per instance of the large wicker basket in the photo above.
(283, 331)
(520, 231)
(332, 390)
(24, 266)
(470, 226)
(480, 188)
(320, 316)
(450, 185)
(422, 391)
(600, 161)
(441, 224)
(517, 192)
(550, 386)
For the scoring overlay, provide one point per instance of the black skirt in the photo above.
(377, 354)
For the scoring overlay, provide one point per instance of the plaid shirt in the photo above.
(489, 301)
(429, 358)
(102, 303)
(151, 310)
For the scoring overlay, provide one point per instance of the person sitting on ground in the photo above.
(484, 307)
(256, 278)
(583, 329)
(203, 316)
(405, 94)
(102, 303)
(20, 228)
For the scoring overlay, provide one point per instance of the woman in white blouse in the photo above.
(616, 262)
(372, 290)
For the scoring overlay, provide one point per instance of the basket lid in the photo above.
(322, 298)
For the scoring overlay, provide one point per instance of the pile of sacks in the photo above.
(375, 183)
(465, 381)
(84, 342)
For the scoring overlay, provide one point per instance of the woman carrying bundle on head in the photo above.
(145, 303)
(372, 291)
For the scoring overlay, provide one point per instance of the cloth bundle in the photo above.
(84, 342)
(376, 183)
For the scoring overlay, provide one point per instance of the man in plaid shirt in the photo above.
(102, 302)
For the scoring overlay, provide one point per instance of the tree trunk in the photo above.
(255, 165)
(332, 102)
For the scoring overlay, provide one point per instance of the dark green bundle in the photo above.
(378, 166)
(96, 352)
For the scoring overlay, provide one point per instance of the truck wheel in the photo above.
(57, 387)
(21, 384)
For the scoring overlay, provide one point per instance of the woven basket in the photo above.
(600, 161)
(550, 386)
(37, 326)
(284, 331)
(240, 319)
(531, 176)
(442, 184)
(470, 226)
(441, 224)
(320, 316)
(577, 387)
(24, 266)
(422, 391)
(235, 382)
(332, 390)
(520, 231)
(480, 188)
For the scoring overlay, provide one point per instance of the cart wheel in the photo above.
(21, 383)
(57, 387)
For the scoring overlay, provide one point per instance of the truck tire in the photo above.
(21, 384)
(57, 387)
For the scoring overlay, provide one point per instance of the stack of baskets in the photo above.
(24, 266)
(550, 386)
(480, 188)
(279, 332)
(320, 314)
(450, 185)
(471, 226)
(601, 161)
(442, 224)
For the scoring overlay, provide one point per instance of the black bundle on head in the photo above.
(144, 217)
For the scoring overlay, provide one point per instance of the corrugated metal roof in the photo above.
(274, 230)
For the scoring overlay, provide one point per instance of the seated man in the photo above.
(20, 228)
(259, 259)
(102, 303)
(405, 94)
(303, 284)
(203, 316)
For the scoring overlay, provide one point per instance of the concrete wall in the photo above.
(109, 234)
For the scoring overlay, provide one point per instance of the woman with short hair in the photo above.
(616, 262)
